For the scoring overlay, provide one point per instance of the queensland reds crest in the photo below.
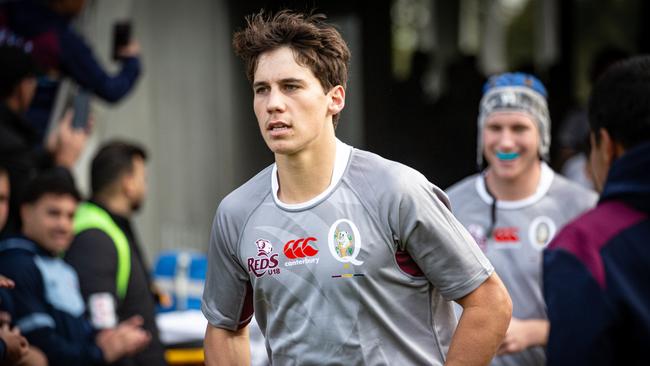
(265, 262)
(264, 247)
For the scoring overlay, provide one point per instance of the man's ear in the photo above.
(126, 182)
(337, 100)
(25, 211)
(608, 149)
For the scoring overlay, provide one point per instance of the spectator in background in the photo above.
(14, 348)
(61, 52)
(573, 137)
(515, 206)
(18, 139)
(105, 252)
(597, 270)
(48, 307)
(4, 195)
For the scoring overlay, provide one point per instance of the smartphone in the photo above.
(121, 36)
(81, 109)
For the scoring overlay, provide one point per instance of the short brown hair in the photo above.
(316, 45)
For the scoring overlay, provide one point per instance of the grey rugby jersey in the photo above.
(523, 229)
(363, 274)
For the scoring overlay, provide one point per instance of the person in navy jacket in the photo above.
(597, 270)
(47, 303)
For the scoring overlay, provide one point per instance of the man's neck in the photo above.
(307, 174)
(116, 204)
(521, 187)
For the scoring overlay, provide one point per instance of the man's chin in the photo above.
(136, 207)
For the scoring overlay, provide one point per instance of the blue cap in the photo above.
(515, 91)
(515, 79)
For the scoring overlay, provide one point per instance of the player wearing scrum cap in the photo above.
(515, 206)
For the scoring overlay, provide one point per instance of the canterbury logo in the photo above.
(506, 235)
(300, 248)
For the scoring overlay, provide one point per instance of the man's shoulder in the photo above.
(597, 227)
(585, 238)
(90, 243)
(17, 248)
(247, 196)
(572, 193)
(462, 187)
(17, 259)
(381, 173)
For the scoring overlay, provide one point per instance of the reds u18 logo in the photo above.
(265, 262)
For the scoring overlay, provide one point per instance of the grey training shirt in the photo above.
(523, 229)
(361, 274)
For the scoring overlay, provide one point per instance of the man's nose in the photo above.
(275, 101)
(506, 140)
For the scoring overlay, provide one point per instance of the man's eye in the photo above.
(291, 87)
(260, 90)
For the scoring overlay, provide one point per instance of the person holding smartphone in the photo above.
(62, 52)
(19, 152)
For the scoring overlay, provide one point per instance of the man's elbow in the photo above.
(504, 304)
(490, 299)
(499, 302)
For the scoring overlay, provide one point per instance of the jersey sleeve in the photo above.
(93, 255)
(227, 296)
(437, 242)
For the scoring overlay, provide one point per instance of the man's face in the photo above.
(598, 161)
(4, 199)
(26, 91)
(70, 8)
(293, 112)
(135, 184)
(49, 220)
(510, 144)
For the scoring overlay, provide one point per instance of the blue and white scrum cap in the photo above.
(515, 92)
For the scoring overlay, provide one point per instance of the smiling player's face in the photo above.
(511, 143)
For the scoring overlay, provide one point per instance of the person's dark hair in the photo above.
(57, 181)
(17, 65)
(605, 58)
(113, 160)
(316, 45)
(3, 171)
(620, 102)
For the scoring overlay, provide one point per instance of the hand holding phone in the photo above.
(66, 143)
(122, 37)
(81, 109)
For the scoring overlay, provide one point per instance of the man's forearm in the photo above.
(225, 347)
(482, 326)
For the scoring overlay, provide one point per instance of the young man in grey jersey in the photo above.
(346, 258)
(516, 205)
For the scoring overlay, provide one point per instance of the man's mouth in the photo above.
(277, 126)
(507, 156)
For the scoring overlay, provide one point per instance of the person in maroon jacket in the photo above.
(597, 270)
